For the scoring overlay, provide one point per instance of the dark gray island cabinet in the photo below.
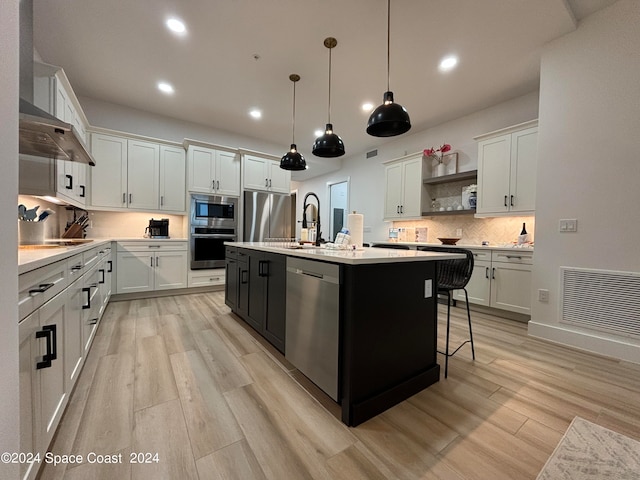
(386, 318)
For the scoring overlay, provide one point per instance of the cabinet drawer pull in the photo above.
(110, 262)
(102, 272)
(93, 321)
(75, 268)
(87, 290)
(70, 185)
(154, 246)
(82, 195)
(514, 256)
(43, 287)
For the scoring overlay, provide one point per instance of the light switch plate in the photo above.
(568, 225)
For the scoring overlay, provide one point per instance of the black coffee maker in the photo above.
(158, 228)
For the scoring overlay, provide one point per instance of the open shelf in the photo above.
(454, 177)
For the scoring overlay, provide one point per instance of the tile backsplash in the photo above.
(495, 230)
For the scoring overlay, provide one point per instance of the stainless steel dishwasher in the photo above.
(313, 291)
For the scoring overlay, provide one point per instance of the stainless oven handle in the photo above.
(214, 236)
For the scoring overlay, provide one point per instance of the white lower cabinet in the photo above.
(206, 277)
(501, 279)
(55, 333)
(146, 266)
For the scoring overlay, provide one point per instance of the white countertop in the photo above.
(30, 259)
(358, 257)
(506, 246)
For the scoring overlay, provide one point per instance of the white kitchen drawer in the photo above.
(511, 256)
(203, 278)
(40, 285)
(165, 245)
(90, 257)
(481, 255)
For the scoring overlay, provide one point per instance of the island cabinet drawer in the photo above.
(243, 255)
(90, 258)
(165, 245)
(40, 285)
(510, 256)
(231, 252)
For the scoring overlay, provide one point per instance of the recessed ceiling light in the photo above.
(165, 87)
(367, 107)
(255, 113)
(317, 133)
(448, 63)
(176, 25)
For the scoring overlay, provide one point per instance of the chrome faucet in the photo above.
(304, 216)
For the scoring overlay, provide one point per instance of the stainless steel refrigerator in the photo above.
(267, 215)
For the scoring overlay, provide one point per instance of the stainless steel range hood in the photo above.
(42, 134)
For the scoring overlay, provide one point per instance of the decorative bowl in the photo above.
(449, 241)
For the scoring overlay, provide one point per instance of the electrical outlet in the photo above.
(568, 225)
(543, 295)
(459, 233)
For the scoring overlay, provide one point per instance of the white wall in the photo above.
(589, 164)
(130, 120)
(366, 190)
(9, 385)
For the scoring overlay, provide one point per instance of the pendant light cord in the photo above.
(329, 106)
(388, 41)
(293, 127)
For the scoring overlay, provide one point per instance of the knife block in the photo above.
(73, 231)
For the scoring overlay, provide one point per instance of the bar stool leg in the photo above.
(446, 361)
(473, 350)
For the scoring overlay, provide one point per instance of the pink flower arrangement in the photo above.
(437, 152)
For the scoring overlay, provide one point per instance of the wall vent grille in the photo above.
(603, 300)
(372, 153)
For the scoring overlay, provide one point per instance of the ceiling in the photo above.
(238, 54)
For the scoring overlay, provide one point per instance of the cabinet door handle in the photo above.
(82, 195)
(505, 201)
(512, 200)
(493, 273)
(397, 208)
(110, 262)
(87, 290)
(486, 272)
(43, 287)
(157, 261)
(102, 272)
(266, 182)
(213, 184)
(47, 357)
(401, 208)
(262, 271)
(269, 182)
(151, 258)
(218, 184)
(54, 340)
(69, 186)
(130, 198)
(243, 276)
(124, 198)
(161, 200)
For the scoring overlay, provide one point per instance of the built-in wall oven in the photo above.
(213, 221)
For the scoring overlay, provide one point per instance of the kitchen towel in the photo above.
(355, 224)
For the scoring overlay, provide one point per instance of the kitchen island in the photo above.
(379, 309)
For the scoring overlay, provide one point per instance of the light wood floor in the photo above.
(183, 377)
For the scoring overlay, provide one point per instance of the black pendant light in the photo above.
(293, 160)
(389, 119)
(329, 145)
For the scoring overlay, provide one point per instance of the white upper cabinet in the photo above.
(172, 179)
(143, 175)
(53, 93)
(507, 161)
(404, 196)
(137, 174)
(212, 171)
(109, 176)
(265, 174)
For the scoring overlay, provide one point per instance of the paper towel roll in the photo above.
(355, 224)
